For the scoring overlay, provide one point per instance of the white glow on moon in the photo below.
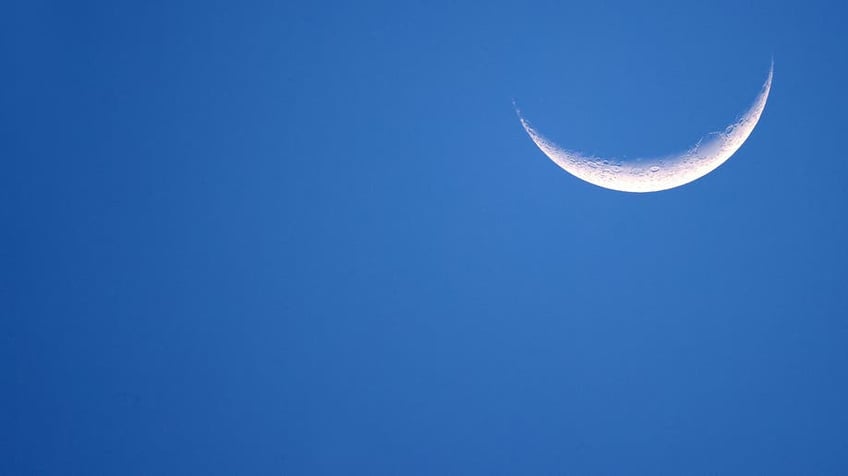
(653, 175)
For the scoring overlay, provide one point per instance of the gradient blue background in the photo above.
(311, 238)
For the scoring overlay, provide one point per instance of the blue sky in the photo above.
(312, 238)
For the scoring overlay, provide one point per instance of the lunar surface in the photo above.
(655, 174)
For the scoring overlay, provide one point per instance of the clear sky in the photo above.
(312, 238)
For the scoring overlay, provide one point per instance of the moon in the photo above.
(656, 174)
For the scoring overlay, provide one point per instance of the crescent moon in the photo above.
(655, 174)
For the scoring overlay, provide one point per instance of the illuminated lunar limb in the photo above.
(655, 174)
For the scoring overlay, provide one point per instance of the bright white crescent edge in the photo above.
(653, 175)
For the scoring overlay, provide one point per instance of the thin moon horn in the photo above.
(655, 174)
